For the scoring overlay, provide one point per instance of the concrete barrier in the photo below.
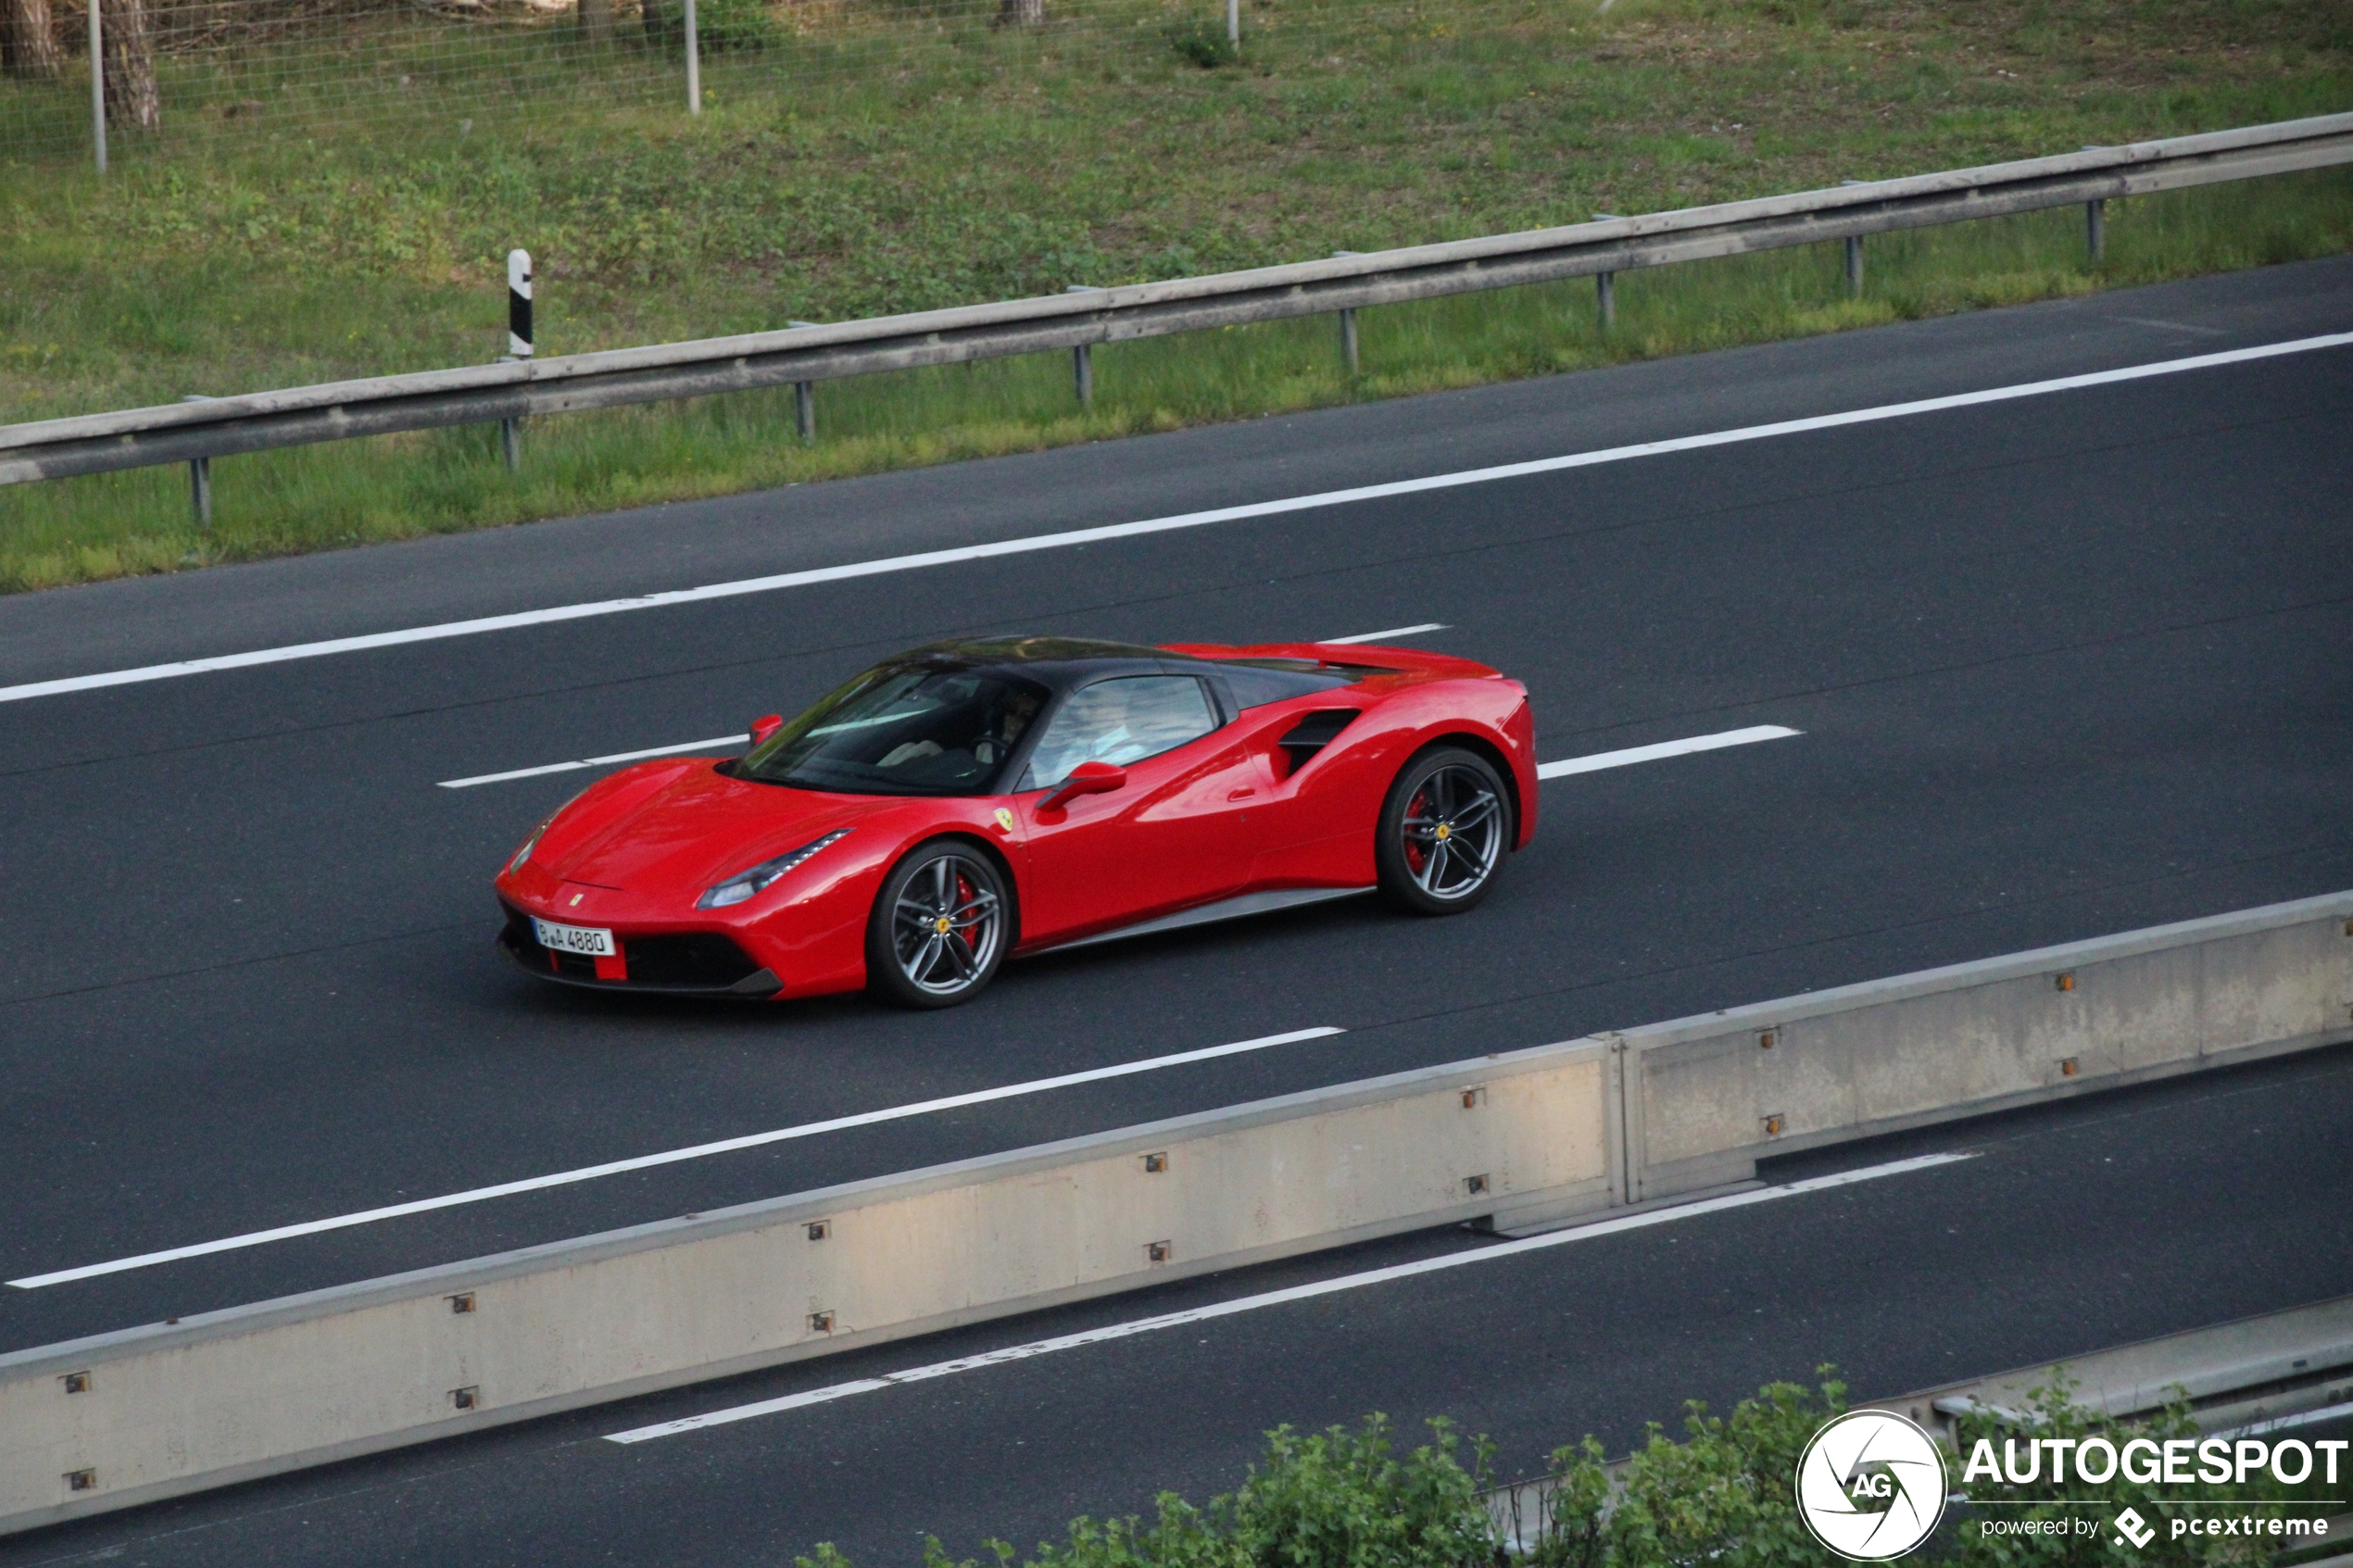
(1517, 1139)
(1706, 1097)
(150, 1412)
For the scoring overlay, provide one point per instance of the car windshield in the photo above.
(902, 730)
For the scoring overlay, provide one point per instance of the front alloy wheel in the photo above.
(938, 929)
(1443, 832)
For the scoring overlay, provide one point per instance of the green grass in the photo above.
(862, 165)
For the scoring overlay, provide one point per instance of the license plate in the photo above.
(575, 939)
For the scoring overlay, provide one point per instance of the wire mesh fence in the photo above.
(175, 71)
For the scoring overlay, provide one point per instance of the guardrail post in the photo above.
(1082, 359)
(199, 477)
(1853, 257)
(1348, 326)
(97, 87)
(2095, 216)
(804, 402)
(694, 64)
(1606, 286)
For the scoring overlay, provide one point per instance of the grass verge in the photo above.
(974, 163)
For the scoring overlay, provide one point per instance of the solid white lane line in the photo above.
(1632, 754)
(1155, 526)
(1276, 1298)
(715, 741)
(1385, 636)
(668, 1157)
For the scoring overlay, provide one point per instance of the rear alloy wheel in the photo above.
(938, 933)
(1443, 831)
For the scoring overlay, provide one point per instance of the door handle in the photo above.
(1243, 793)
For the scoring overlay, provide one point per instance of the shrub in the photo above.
(1722, 1497)
(1203, 42)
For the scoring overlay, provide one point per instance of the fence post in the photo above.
(518, 347)
(200, 478)
(694, 64)
(97, 87)
(1082, 359)
(1234, 23)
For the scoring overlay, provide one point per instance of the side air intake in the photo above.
(1313, 732)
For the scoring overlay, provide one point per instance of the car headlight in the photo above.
(528, 845)
(540, 831)
(750, 880)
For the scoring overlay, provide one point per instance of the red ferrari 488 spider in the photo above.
(971, 800)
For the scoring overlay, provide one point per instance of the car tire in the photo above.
(940, 926)
(1444, 830)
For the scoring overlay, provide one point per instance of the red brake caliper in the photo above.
(1415, 854)
(963, 900)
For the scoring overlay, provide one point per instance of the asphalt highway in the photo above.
(2063, 665)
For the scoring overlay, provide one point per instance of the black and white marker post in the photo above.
(518, 346)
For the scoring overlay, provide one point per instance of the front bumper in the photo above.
(700, 964)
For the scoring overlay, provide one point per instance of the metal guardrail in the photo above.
(1077, 320)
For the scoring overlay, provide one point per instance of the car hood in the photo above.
(685, 828)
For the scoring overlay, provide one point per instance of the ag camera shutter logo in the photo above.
(1870, 1485)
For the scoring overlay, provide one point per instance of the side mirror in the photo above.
(763, 728)
(1087, 778)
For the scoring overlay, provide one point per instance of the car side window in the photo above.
(1120, 721)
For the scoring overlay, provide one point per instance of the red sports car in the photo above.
(971, 800)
